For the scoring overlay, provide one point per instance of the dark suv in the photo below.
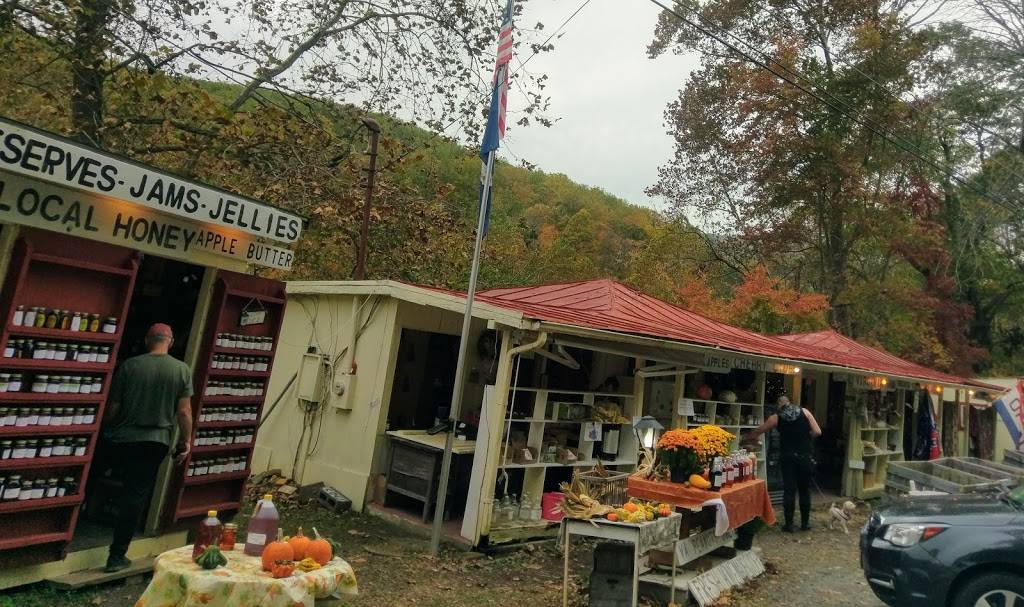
(950, 550)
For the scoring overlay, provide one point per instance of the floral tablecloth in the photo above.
(178, 582)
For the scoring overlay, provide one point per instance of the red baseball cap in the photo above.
(160, 330)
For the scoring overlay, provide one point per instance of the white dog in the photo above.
(841, 515)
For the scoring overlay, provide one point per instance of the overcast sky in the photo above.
(609, 97)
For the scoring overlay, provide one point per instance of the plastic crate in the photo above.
(609, 490)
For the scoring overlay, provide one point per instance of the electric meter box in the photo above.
(311, 378)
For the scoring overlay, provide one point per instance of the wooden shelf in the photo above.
(533, 420)
(46, 503)
(6, 543)
(257, 296)
(210, 449)
(82, 264)
(34, 397)
(722, 402)
(880, 453)
(215, 478)
(63, 461)
(212, 425)
(202, 510)
(54, 365)
(64, 334)
(573, 392)
(238, 373)
(47, 430)
(232, 400)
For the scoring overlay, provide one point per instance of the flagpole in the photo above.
(460, 366)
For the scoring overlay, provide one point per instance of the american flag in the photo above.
(495, 130)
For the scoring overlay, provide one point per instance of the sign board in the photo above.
(252, 317)
(708, 586)
(33, 203)
(46, 157)
(685, 407)
(1011, 412)
(856, 464)
(700, 544)
(727, 361)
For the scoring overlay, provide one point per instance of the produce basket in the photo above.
(606, 486)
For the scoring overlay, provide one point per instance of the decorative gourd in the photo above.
(319, 549)
(698, 481)
(299, 544)
(278, 550)
(211, 558)
(280, 569)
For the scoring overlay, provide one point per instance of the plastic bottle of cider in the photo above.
(262, 526)
(208, 533)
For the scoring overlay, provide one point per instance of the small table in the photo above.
(178, 582)
(415, 465)
(743, 501)
(643, 536)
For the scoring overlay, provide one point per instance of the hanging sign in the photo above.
(684, 408)
(726, 362)
(59, 161)
(1011, 412)
(36, 204)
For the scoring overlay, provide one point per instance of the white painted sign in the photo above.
(708, 586)
(44, 156)
(726, 362)
(685, 407)
(37, 204)
(700, 544)
(592, 431)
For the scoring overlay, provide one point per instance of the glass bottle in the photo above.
(19, 316)
(40, 318)
(208, 533)
(53, 319)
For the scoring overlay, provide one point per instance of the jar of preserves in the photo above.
(40, 320)
(9, 348)
(6, 449)
(33, 416)
(52, 384)
(19, 348)
(45, 416)
(228, 537)
(41, 351)
(53, 319)
(12, 489)
(51, 487)
(110, 325)
(73, 352)
(31, 449)
(104, 354)
(61, 353)
(77, 417)
(94, 323)
(30, 318)
(11, 416)
(5, 382)
(19, 316)
(81, 444)
(76, 322)
(46, 448)
(97, 384)
(89, 416)
(65, 320)
(16, 383)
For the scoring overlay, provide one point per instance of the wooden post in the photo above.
(492, 452)
(565, 570)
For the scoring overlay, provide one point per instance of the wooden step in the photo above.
(94, 577)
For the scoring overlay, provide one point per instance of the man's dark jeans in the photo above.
(140, 462)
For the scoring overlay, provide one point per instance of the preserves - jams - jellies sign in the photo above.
(52, 183)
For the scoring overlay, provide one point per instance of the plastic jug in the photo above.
(208, 533)
(262, 526)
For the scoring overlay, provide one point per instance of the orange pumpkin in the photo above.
(319, 549)
(278, 550)
(299, 544)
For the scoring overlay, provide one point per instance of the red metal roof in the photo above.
(610, 306)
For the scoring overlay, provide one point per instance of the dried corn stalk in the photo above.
(577, 504)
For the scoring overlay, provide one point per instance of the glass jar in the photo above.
(40, 320)
(12, 489)
(3, 416)
(19, 316)
(228, 537)
(6, 449)
(31, 449)
(103, 356)
(85, 354)
(94, 323)
(33, 416)
(60, 447)
(52, 319)
(76, 321)
(81, 444)
(77, 416)
(51, 487)
(41, 350)
(26, 491)
(65, 320)
(16, 383)
(30, 318)
(46, 448)
(5, 382)
(53, 384)
(12, 417)
(97, 384)
(45, 416)
(22, 419)
(61, 353)
(89, 416)
(110, 325)
(202, 468)
(9, 348)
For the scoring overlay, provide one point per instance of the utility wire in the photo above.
(837, 105)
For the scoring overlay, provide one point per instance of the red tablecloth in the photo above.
(743, 501)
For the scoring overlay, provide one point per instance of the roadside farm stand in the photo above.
(556, 379)
(89, 258)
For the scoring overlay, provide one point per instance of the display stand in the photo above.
(193, 496)
(643, 537)
(876, 439)
(46, 272)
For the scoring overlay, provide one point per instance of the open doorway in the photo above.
(165, 291)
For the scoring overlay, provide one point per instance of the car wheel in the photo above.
(992, 590)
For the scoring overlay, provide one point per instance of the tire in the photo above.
(991, 590)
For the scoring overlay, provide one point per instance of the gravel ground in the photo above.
(816, 568)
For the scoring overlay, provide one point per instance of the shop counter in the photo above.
(743, 502)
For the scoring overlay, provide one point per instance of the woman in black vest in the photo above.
(797, 427)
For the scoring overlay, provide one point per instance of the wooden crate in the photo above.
(944, 474)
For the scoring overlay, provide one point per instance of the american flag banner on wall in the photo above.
(495, 130)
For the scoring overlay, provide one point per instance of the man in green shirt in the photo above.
(151, 394)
